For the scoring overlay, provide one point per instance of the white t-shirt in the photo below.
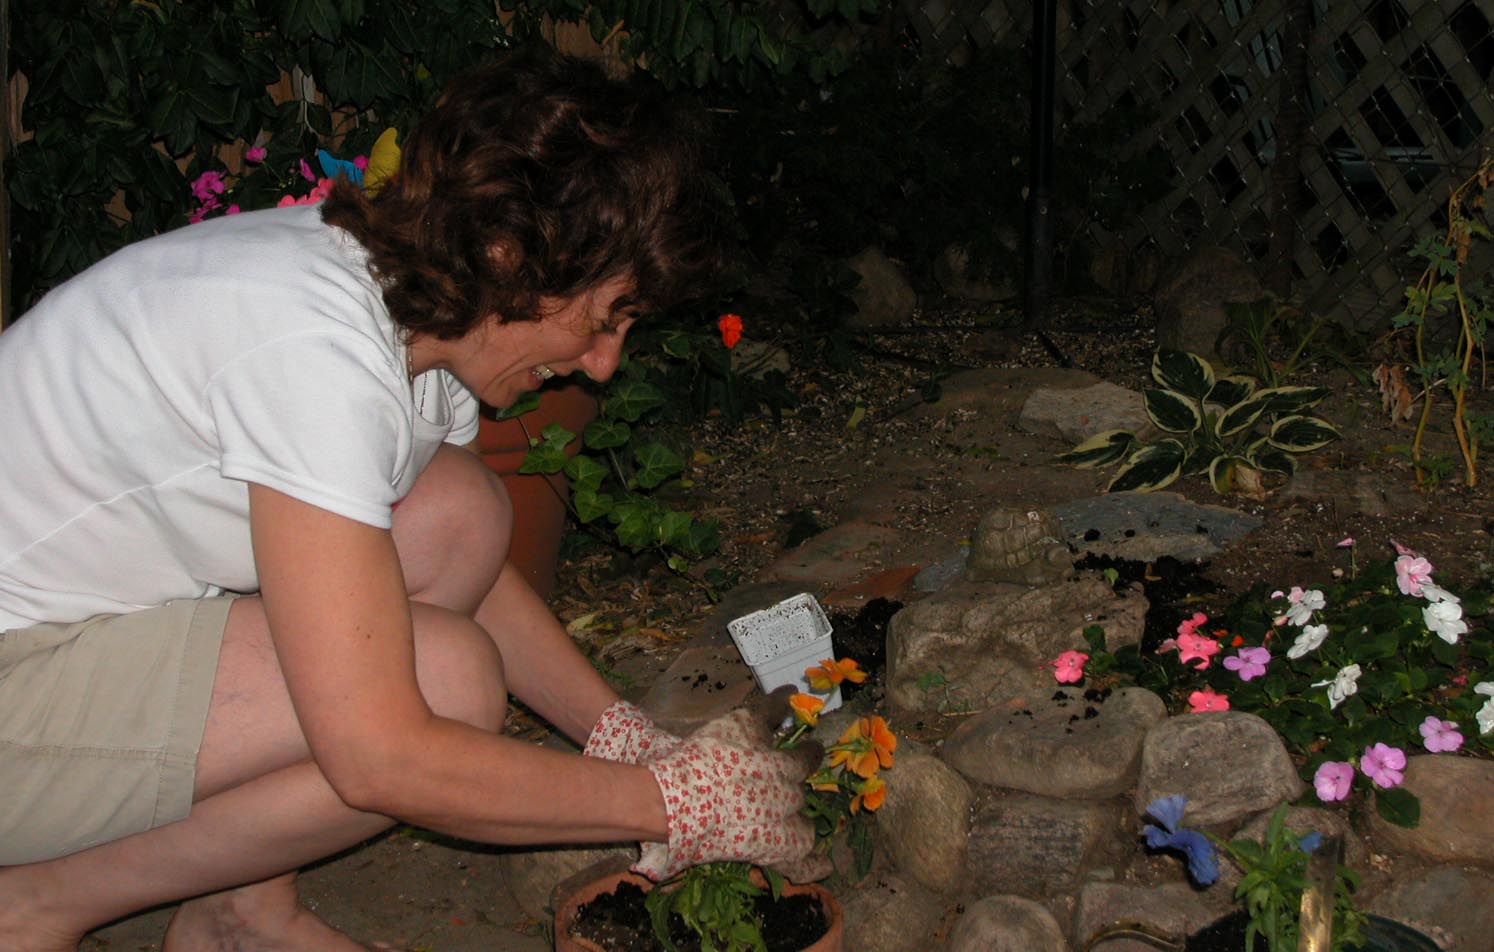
(139, 399)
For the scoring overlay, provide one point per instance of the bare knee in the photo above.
(452, 531)
(458, 668)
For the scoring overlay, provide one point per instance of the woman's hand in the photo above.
(730, 796)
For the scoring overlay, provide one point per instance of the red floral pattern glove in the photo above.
(626, 735)
(730, 796)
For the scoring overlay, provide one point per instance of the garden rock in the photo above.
(1190, 302)
(1457, 811)
(990, 643)
(953, 273)
(884, 298)
(1006, 924)
(1073, 416)
(1063, 745)
(1038, 846)
(891, 913)
(1172, 909)
(1021, 546)
(1229, 764)
(1447, 903)
(925, 821)
(1147, 526)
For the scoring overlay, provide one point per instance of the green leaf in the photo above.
(631, 399)
(302, 19)
(604, 434)
(1102, 449)
(585, 473)
(1242, 416)
(1399, 806)
(1171, 411)
(1185, 373)
(543, 458)
(1231, 390)
(1222, 473)
(591, 505)
(1149, 468)
(1267, 458)
(1287, 400)
(656, 463)
(1301, 434)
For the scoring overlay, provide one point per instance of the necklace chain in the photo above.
(410, 372)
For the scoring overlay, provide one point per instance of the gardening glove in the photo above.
(730, 796)
(626, 735)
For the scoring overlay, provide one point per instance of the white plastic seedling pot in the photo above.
(780, 642)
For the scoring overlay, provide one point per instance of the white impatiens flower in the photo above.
(1312, 636)
(1434, 594)
(1304, 603)
(1345, 683)
(1485, 715)
(1446, 619)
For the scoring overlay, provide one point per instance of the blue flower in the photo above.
(1203, 860)
(1311, 841)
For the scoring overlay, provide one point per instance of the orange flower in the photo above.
(807, 708)
(730, 326)
(831, 672)
(866, 746)
(870, 793)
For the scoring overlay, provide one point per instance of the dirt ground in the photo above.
(868, 445)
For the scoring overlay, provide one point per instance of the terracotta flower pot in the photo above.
(539, 501)
(565, 916)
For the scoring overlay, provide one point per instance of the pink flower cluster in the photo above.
(1384, 765)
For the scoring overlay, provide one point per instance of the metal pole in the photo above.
(1039, 249)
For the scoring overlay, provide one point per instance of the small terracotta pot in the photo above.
(539, 501)
(565, 916)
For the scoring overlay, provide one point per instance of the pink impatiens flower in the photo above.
(1439, 736)
(1068, 668)
(1383, 764)
(208, 185)
(1333, 780)
(1248, 663)
(1197, 647)
(255, 154)
(1411, 573)
(1190, 626)
(1208, 701)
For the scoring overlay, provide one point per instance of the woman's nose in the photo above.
(600, 362)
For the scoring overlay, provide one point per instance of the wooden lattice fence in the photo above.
(1319, 138)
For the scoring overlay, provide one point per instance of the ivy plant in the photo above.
(1228, 427)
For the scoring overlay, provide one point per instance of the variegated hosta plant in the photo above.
(1228, 427)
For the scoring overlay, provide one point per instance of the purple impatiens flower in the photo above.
(1203, 861)
(1249, 663)
(1384, 765)
(1440, 736)
(1333, 780)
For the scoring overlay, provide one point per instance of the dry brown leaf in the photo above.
(1396, 396)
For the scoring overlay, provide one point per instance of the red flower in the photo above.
(731, 329)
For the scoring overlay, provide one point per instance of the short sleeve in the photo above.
(464, 414)
(319, 417)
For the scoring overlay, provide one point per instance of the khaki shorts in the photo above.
(100, 723)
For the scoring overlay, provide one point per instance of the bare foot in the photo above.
(25, 926)
(264, 917)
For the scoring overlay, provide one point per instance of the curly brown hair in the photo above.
(537, 176)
